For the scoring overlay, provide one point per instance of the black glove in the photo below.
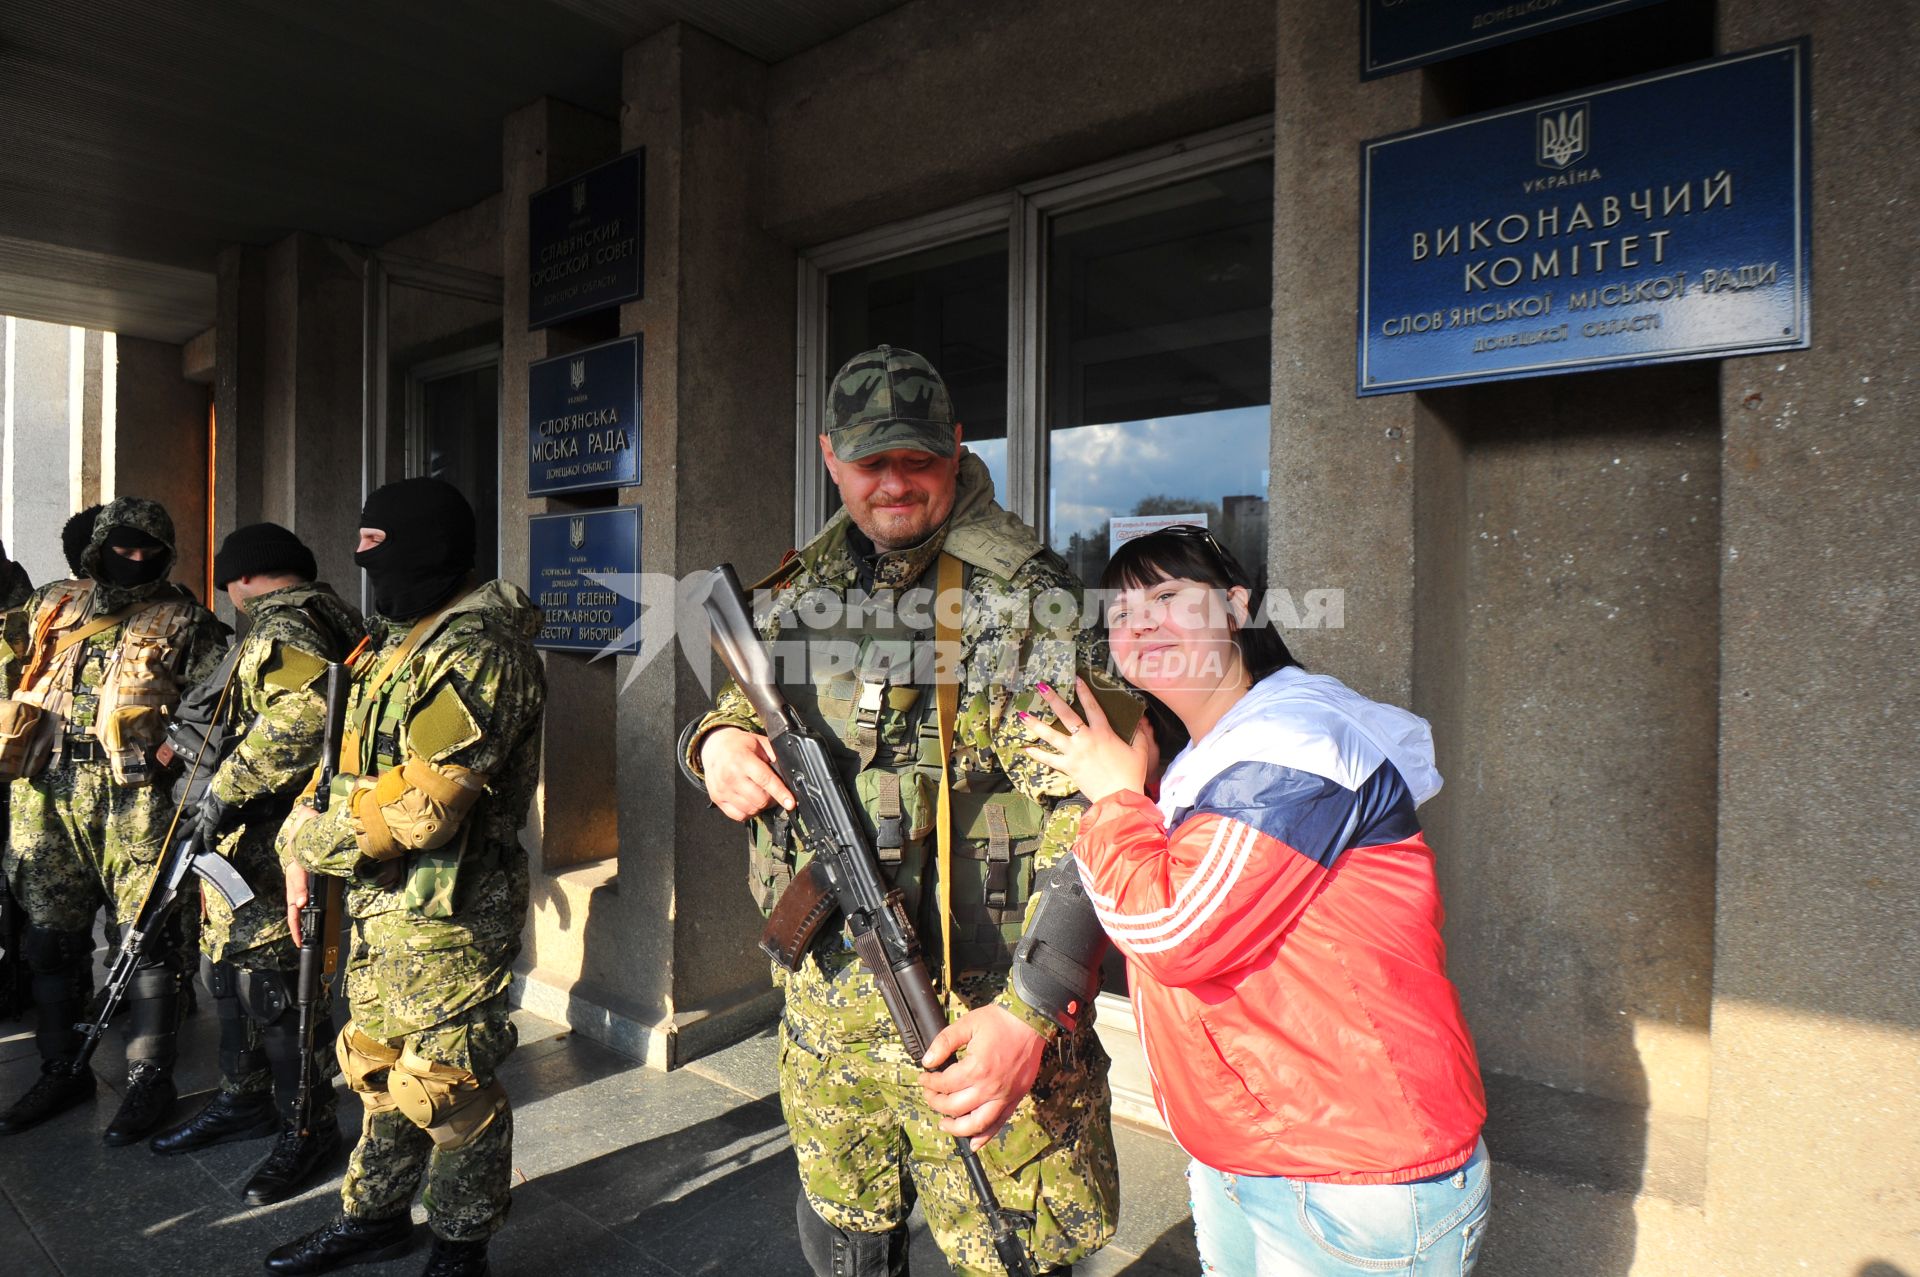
(212, 818)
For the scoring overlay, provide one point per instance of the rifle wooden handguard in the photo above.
(803, 909)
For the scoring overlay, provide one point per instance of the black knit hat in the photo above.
(262, 548)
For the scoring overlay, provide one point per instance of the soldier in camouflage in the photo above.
(15, 985)
(267, 696)
(105, 660)
(873, 1132)
(438, 766)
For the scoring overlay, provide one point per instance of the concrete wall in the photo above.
(1652, 615)
(88, 417)
(944, 100)
(1813, 1153)
(42, 402)
(159, 448)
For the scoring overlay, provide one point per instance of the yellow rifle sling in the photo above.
(946, 637)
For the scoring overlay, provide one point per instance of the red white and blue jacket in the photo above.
(1281, 922)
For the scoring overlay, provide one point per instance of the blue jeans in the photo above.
(1255, 1226)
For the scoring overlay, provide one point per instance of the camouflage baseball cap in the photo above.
(888, 398)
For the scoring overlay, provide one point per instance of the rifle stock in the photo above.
(843, 871)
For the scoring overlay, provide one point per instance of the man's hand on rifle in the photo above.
(208, 820)
(980, 1092)
(297, 887)
(738, 766)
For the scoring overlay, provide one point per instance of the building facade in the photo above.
(1662, 618)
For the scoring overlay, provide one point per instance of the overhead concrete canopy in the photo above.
(139, 136)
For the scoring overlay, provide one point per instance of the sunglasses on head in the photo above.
(1194, 532)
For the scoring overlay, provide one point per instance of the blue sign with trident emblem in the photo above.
(1658, 219)
(570, 560)
(583, 419)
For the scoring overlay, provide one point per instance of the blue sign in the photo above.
(1660, 219)
(566, 551)
(584, 242)
(583, 419)
(1400, 34)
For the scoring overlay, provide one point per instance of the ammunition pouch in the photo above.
(264, 994)
(1056, 968)
(448, 1103)
(26, 739)
(366, 1064)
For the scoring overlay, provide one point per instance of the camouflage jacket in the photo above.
(275, 697)
(477, 668)
(275, 704)
(1006, 648)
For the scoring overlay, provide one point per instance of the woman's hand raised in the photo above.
(1087, 750)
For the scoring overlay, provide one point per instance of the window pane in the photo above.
(949, 304)
(460, 442)
(1159, 349)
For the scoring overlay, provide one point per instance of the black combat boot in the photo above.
(457, 1259)
(344, 1242)
(295, 1158)
(225, 1118)
(55, 1093)
(148, 1102)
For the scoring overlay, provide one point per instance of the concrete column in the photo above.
(1812, 1153)
(717, 324)
(573, 830)
(310, 440)
(1342, 499)
(239, 392)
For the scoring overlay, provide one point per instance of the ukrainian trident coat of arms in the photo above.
(1561, 135)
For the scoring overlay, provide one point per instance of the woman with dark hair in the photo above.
(1280, 916)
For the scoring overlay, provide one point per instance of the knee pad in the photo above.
(366, 1064)
(265, 994)
(447, 1103)
(238, 1055)
(48, 951)
(837, 1252)
(153, 1014)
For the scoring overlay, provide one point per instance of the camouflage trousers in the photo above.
(869, 1145)
(467, 1188)
(77, 841)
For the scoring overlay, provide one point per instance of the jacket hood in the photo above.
(1313, 716)
(505, 604)
(140, 515)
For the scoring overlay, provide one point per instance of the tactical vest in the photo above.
(865, 682)
(126, 711)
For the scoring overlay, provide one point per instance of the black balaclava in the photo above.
(77, 535)
(428, 552)
(132, 573)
